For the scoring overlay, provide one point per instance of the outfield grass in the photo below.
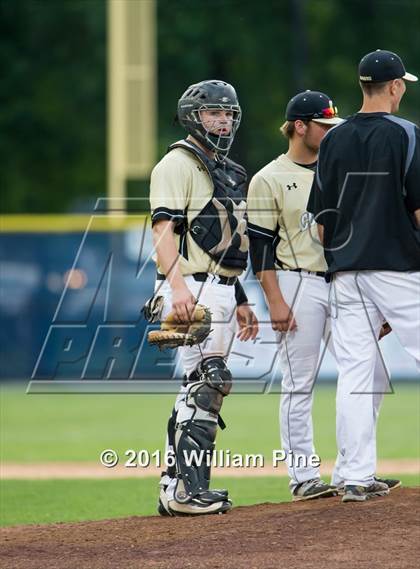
(42, 428)
(47, 501)
(37, 428)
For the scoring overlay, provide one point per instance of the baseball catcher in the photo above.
(197, 197)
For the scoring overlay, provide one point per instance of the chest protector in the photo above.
(220, 227)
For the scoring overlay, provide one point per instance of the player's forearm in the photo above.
(167, 253)
(321, 232)
(270, 285)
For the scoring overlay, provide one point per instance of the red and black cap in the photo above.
(312, 106)
(381, 65)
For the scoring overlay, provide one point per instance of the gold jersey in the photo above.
(277, 202)
(180, 187)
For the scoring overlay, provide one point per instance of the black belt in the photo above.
(202, 277)
(316, 273)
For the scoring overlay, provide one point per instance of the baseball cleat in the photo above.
(211, 496)
(311, 489)
(197, 508)
(392, 483)
(363, 493)
(163, 508)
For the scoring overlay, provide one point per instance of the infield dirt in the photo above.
(381, 533)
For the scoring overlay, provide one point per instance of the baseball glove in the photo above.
(173, 334)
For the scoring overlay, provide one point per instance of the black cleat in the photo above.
(363, 493)
(311, 489)
(392, 483)
(211, 496)
(196, 507)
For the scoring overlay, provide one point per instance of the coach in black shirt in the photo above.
(366, 192)
(366, 201)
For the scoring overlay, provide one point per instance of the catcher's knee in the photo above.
(208, 384)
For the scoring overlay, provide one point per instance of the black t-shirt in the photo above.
(366, 188)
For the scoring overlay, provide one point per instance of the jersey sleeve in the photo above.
(240, 294)
(316, 196)
(412, 179)
(263, 213)
(169, 191)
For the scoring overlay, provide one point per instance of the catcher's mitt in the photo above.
(173, 334)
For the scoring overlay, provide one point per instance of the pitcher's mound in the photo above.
(382, 533)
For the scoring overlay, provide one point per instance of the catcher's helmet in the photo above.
(212, 94)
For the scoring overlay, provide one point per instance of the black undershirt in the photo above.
(308, 166)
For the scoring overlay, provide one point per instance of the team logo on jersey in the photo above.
(291, 186)
(306, 220)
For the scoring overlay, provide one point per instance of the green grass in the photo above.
(37, 428)
(48, 501)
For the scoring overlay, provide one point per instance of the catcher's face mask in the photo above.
(218, 124)
(210, 112)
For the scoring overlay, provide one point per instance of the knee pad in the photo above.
(211, 381)
(213, 370)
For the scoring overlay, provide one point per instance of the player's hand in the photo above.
(183, 303)
(281, 316)
(247, 322)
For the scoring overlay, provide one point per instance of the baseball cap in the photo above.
(312, 106)
(381, 65)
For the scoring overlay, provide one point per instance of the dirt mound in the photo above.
(381, 533)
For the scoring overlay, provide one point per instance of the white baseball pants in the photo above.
(361, 300)
(308, 296)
